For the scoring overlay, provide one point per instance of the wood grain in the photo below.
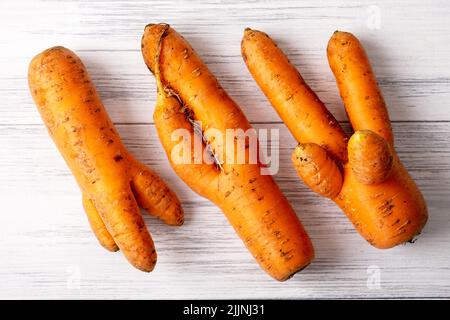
(48, 250)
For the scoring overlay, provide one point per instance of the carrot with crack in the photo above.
(112, 182)
(252, 202)
(363, 175)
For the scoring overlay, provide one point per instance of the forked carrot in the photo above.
(112, 182)
(373, 188)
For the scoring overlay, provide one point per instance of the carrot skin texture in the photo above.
(252, 203)
(299, 107)
(87, 139)
(382, 201)
(358, 86)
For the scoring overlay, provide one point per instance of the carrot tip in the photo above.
(149, 25)
(114, 248)
(295, 272)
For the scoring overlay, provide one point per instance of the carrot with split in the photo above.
(112, 182)
(252, 202)
(364, 176)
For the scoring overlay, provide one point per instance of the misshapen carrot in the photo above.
(374, 189)
(108, 176)
(253, 203)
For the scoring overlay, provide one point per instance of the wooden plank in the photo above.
(409, 51)
(48, 250)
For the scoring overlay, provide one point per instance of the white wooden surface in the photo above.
(47, 249)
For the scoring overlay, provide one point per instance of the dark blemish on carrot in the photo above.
(118, 158)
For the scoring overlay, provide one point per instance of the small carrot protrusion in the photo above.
(357, 85)
(252, 202)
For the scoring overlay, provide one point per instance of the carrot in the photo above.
(252, 202)
(112, 182)
(372, 187)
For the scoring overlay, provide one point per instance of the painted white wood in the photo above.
(47, 249)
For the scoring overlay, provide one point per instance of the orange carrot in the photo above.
(108, 176)
(374, 189)
(253, 203)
